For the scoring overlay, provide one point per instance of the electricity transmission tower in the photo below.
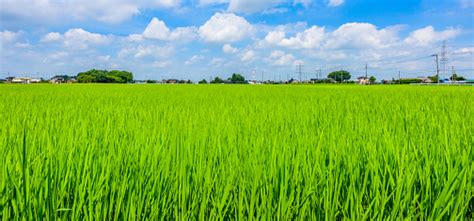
(444, 57)
(299, 70)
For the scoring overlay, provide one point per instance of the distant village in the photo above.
(239, 79)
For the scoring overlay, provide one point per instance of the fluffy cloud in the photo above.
(466, 3)
(309, 38)
(9, 36)
(77, 38)
(225, 27)
(361, 35)
(158, 30)
(80, 39)
(248, 56)
(51, 37)
(280, 58)
(335, 3)
(428, 35)
(228, 49)
(108, 11)
(194, 59)
(153, 51)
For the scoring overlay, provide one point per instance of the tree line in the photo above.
(104, 76)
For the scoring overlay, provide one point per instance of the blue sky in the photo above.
(195, 39)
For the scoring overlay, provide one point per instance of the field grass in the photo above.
(205, 152)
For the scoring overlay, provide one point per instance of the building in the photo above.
(363, 80)
(425, 80)
(22, 80)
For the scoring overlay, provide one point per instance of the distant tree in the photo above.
(151, 81)
(237, 79)
(408, 81)
(372, 79)
(456, 77)
(104, 76)
(434, 79)
(217, 80)
(203, 81)
(340, 76)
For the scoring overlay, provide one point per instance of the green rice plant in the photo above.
(245, 152)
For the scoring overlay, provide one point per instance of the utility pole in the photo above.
(399, 78)
(366, 71)
(452, 74)
(263, 73)
(341, 74)
(366, 77)
(320, 73)
(437, 66)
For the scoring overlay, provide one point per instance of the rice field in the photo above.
(236, 152)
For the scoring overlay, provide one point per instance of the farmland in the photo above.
(133, 152)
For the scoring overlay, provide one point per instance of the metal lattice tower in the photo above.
(444, 58)
(299, 70)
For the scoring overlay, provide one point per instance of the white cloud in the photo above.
(184, 34)
(107, 11)
(216, 62)
(466, 3)
(161, 64)
(135, 38)
(158, 30)
(52, 37)
(280, 58)
(194, 59)
(275, 37)
(78, 38)
(225, 27)
(9, 36)
(103, 58)
(309, 38)
(22, 45)
(428, 35)
(228, 49)
(361, 35)
(468, 50)
(335, 3)
(247, 56)
(153, 51)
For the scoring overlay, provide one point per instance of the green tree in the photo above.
(104, 76)
(217, 80)
(203, 81)
(340, 76)
(456, 77)
(434, 79)
(372, 79)
(237, 79)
